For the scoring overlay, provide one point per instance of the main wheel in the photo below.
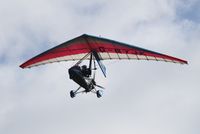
(72, 94)
(99, 93)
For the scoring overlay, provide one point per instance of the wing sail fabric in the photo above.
(77, 48)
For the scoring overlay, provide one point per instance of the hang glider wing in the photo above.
(106, 49)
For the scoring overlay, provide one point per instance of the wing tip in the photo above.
(22, 66)
(184, 62)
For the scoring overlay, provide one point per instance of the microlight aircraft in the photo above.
(94, 49)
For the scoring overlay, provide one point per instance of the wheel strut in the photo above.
(73, 93)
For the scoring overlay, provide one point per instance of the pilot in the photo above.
(72, 71)
(85, 71)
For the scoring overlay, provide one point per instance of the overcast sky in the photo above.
(141, 97)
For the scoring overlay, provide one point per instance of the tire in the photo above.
(99, 93)
(72, 94)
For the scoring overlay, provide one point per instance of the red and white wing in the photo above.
(77, 48)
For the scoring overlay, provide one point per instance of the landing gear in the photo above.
(72, 94)
(99, 93)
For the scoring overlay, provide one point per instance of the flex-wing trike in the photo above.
(85, 76)
(95, 49)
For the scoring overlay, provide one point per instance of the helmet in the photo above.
(84, 67)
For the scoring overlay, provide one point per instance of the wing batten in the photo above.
(107, 49)
(138, 50)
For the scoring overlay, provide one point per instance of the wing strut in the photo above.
(90, 64)
(79, 62)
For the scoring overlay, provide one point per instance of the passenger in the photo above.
(72, 71)
(86, 71)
